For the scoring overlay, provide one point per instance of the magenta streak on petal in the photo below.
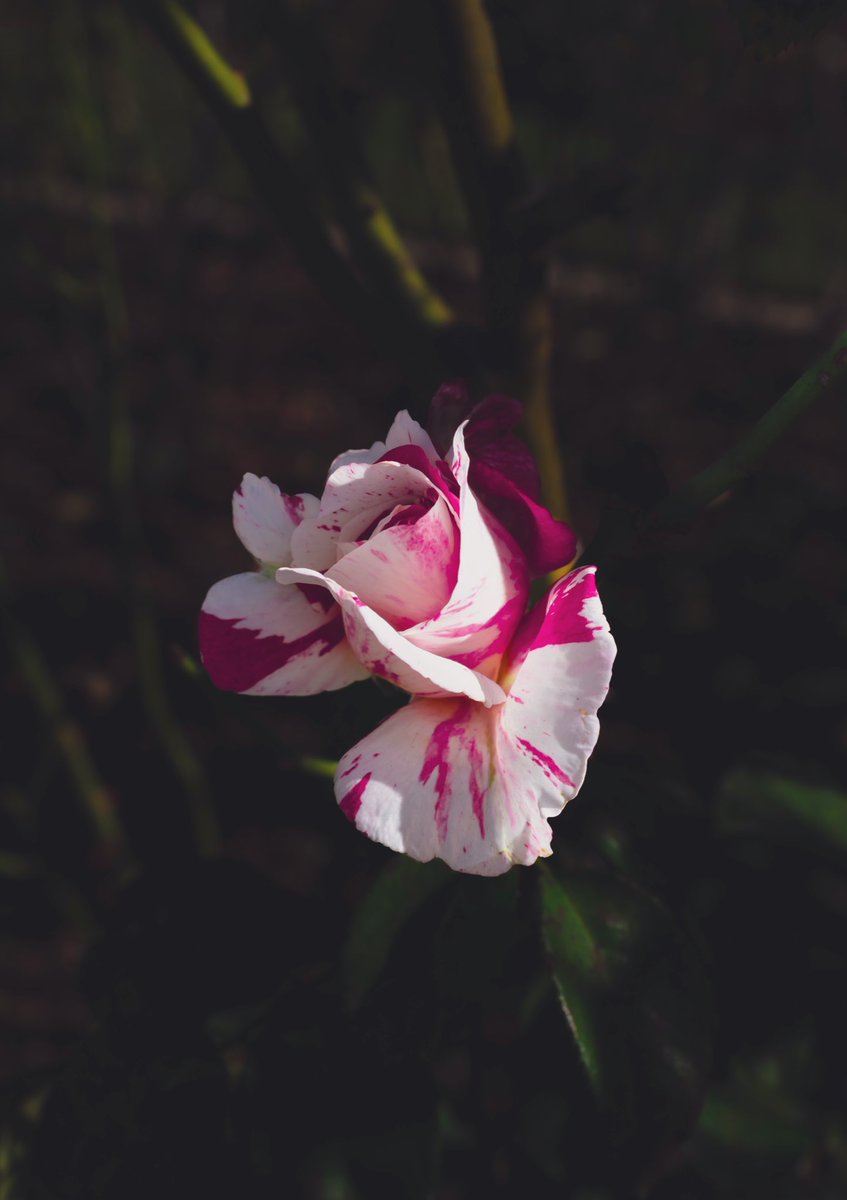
(565, 621)
(437, 473)
(546, 542)
(352, 802)
(437, 759)
(501, 626)
(380, 555)
(477, 790)
(403, 515)
(490, 437)
(356, 760)
(547, 764)
(238, 658)
(316, 595)
(410, 514)
(294, 508)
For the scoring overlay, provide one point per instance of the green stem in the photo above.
(93, 794)
(518, 317)
(228, 97)
(119, 467)
(695, 495)
(402, 314)
(375, 242)
(260, 728)
(621, 528)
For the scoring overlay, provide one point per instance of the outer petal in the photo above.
(557, 676)
(356, 495)
(427, 782)
(477, 623)
(389, 654)
(504, 475)
(266, 640)
(265, 518)
(405, 431)
(405, 572)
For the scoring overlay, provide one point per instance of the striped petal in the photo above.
(357, 494)
(476, 624)
(266, 640)
(265, 518)
(428, 782)
(474, 786)
(387, 652)
(557, 676)
(404, 571)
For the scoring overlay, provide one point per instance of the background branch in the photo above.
(93, 794)
(375, 242)
(621, 529)
(118, 451)
(481, 132)
(399, 313)
(745, 456)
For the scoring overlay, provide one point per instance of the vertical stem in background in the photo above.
(119, 461)
(82, 771)
(517, 306)
(399, 312)
(375, 242)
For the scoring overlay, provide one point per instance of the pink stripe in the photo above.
(547, 764)
(352, 802)
(238, 658)
(437, 473)
(438, 760)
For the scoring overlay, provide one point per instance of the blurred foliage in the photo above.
(308, 1015)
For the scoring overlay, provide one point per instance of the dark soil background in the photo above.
(180, 1030)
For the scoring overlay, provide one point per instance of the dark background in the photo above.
(180, 1025)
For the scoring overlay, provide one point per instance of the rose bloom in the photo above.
(416, 568)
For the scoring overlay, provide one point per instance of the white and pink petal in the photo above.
(357, 495)
(265, 518)
(263, 639)
(557, 676)
(504, 475)
(387, 652)
(476, 624)
(406, 431)
(427, 783)
(406, 569)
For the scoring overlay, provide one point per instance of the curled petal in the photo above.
(428, 782)
(504, 475)
(357, 494)
(405, 572)
(266, 640)
(265, 518)
(477, 622)
(389, 654)
(557, 676)
(405, 431)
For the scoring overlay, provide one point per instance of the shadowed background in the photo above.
(171, 1017)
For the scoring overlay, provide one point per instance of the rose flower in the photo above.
(416, 568)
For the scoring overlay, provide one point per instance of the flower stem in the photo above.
(82, 771)
(689, 499)
(120, 472)
(374, 240)
(620, 529)
(390, 301)
(481, 131)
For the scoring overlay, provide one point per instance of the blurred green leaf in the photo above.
(632, 989)
(396, 895)
(775, 806)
